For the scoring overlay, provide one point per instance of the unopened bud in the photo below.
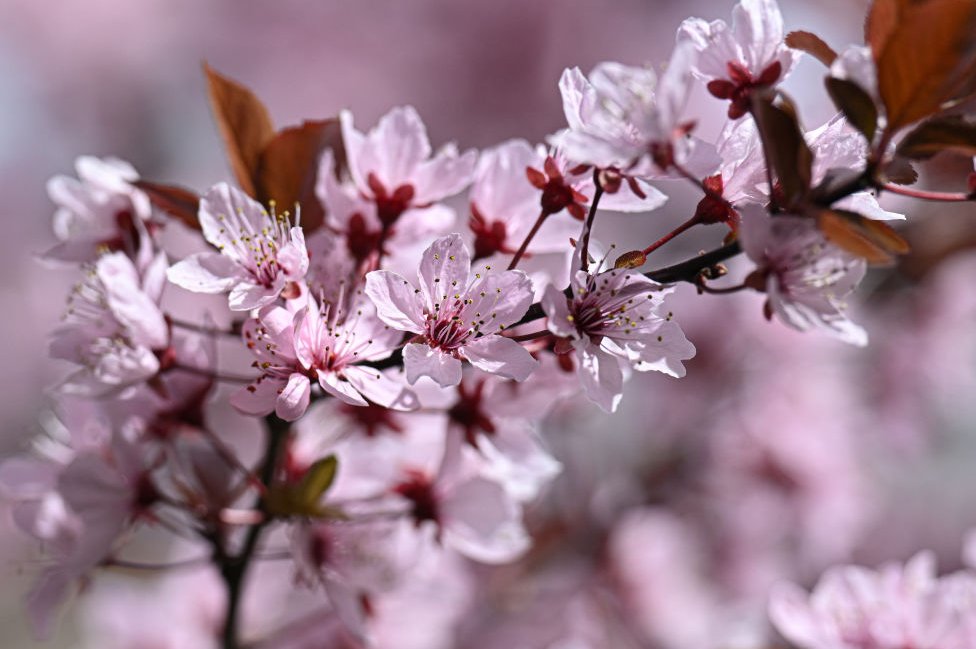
(632, 259)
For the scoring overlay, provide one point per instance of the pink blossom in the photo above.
(327, 345)
(99, 211)
(856, 63)
(455, 316)
(891, 608)
(838, 146)
(113, 327)
(497, 418)
(616, 319)
(260, 256)
(104, 492)
(392, 166)
(357, 218)
(734, 61)
(353, 563)
(622, 114)
(505, 204)
(806, 278)
(470, 513)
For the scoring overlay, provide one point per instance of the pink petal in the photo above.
(601, 376)
(445, 175)
(294, 398)
(205, 272)
(246, 295)
(499, 300)
(556, 306)
(261, 400)
(382, 389)
(444, 270)
(500, 355)
(422, 360)
(342, 390)
(483, 522)
(395, 300)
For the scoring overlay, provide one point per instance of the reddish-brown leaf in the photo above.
(178, 202)
(856, 104)
(812, 45)
(871, 240)
(244, 125)
(925, 52)
(785, 147)
(287, 168)
(937, 135)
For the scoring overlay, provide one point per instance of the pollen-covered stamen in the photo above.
(255, 250)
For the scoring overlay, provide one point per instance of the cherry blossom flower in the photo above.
(615, 319)
(471, 513)
(105, 491)
(492, 419)
(505, 204)
(854, 608)
(737, 60)
(113, 327)
(622, 114)
(260, 257)
(100, 210)
(837, 145)
(327, 345)
(357, 218)
(353, 563)
(455, 316)
(392, 166)
(806, 278)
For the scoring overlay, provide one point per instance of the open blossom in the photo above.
(98, 211)
(616, 319)
(806, 278)
(102, 492)
(392, 167)
(505, 204)
(327, 346)
(454, 315)
(356, 218)
(261, 254)
(735, 60)
(113, 327)
(622, 114)
(892, 608)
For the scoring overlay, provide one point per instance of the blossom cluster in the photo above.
(402, 352)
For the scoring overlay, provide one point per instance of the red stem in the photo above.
(953, 197)
(528, 239)
(671, 235)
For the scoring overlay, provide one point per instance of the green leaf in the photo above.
(785, 147)
(318, 479)
(937, 135)
(856, 104)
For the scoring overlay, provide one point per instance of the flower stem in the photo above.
(528, 239)
(585, 243)
(951, 197)
(687, 225)
(234, 568)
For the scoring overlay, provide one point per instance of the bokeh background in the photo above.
(778, 455)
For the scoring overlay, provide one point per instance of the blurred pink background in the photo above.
(115, 77)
